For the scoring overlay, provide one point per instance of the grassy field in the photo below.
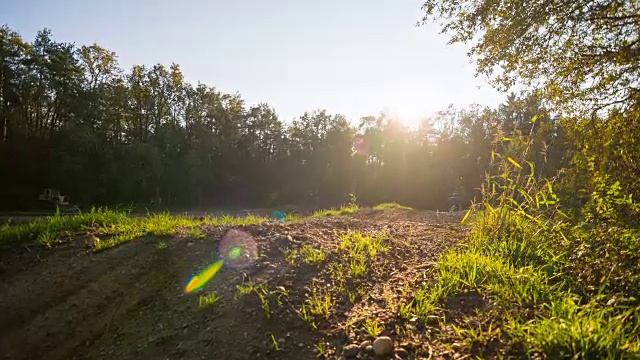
(498, 282)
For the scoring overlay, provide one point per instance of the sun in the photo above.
(410, 105)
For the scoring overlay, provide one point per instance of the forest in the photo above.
(72, 119)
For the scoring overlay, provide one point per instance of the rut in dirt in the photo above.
(129, 302)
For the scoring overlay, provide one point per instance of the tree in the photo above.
(585, 55)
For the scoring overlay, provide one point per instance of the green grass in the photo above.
(344, 210)
(319, 304)
(268, 298)
(195, 233)
(117, 227)
(521, 258)
(391, 205)
(463, 271)
(311, 255)
(43, 230)
(208, 300)
(320, 348)
(588, 332)
(372, 326)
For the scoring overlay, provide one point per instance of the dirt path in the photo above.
(129, 302)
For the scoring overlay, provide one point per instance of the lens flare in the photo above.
(235, 253)
(237, 248)
(278, 215)
(198, 281)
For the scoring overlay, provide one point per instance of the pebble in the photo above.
(351, 351)
(368, 349)
(365, 344)
(189, 244)
(383, 345)
(456, 346)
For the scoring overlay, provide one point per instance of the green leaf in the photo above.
(514, 162)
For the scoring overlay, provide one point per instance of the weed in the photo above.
(372, 326)
(290, 256)
(352, 296)
(337, 274)
(311, 255)
(274, 343)
(47, 239)
(320, 305)
(425, 301)
(244, 289)
(405, 310)
(320, 347)
(305, 314)
(161, 244)
(208, 300)
(263, 293)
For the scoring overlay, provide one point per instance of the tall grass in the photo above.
(517, 256)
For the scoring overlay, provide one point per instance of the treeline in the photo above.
(72, 119)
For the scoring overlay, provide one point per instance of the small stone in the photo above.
(402, 352)
(300, 344)
(368, 349)
(280, 342)
(365, 344)
(456, 346)
(189, 243)
(351, 351)
(383, 345)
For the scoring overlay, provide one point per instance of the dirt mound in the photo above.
(129, 302)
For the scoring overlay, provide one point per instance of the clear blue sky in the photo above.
(355, 57)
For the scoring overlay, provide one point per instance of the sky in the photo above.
(352, 57)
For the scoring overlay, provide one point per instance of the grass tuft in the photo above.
(208, 300)
(344, 210)
(391, 205)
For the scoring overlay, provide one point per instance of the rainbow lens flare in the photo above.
(198, 281)
(236, 249)
(278, 215)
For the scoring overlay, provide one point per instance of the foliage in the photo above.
(522, 258)
(311, 255)
(581, 54)
(208, 300)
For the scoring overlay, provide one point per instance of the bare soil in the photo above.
(129, 302)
